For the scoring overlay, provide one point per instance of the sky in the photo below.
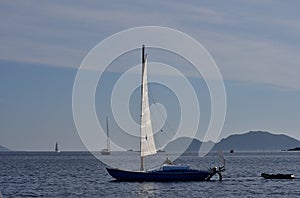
(255, 44)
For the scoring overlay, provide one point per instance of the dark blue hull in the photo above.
(161, 175)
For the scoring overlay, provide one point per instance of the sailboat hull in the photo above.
(160, 175)
(105, 152)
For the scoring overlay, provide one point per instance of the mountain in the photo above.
(2, 148)
(251, 141)
(257, 140)
(191, 145)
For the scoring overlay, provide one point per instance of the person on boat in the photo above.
(168, 161)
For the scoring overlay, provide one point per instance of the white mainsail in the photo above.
(147, 139)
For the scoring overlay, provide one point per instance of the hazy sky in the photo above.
(256, 45)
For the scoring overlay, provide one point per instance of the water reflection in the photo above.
(147, 189)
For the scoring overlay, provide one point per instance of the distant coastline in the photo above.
(4, 149)
(250, 141)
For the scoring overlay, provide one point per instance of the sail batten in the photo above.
(147, 140)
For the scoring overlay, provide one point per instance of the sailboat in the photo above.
(106, 151)
(168, 171)
(56, 148)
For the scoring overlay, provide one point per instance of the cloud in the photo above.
(251, 41)
(257, 61)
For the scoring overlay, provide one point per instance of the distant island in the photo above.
(250, 141)
(257, 140)
(2, 149)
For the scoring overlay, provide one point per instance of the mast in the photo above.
(107, 131)
(143, 66)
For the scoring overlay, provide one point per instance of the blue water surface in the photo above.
(80, 174)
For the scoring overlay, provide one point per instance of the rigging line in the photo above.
(150, 94)
(157, 142)
(160, 113)
(154, 102)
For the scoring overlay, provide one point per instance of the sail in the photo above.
(56, 147)
(106, 151)
(147, 139)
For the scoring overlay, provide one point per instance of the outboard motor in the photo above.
(218, 170)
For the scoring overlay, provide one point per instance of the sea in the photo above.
(81, 174)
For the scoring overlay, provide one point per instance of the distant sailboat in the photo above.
(106, 151)
(56, 148)
(168, 171)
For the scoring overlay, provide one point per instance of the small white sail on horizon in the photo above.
(106, 151)
(147, 140)
(56, 148)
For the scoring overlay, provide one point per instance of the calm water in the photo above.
(80, 174)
